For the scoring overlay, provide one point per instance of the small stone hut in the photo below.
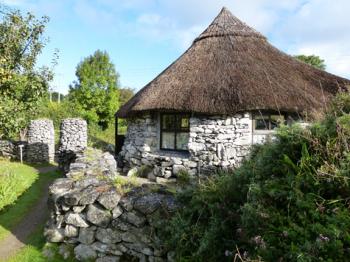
(229, 90)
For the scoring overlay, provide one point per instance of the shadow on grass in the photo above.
(27, 215)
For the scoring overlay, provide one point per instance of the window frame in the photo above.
(268, 116)
(176, 130)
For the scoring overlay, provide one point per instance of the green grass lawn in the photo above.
(21, 186)
(15, 178)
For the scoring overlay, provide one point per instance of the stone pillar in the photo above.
(73, 140)
(41, 141)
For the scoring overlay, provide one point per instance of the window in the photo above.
(174, 132)
(267, 122)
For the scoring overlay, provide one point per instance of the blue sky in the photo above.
(144, 36)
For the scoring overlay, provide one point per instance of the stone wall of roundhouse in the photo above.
(216, 142)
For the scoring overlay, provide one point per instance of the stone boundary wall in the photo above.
(101, 221)
(10, 149)
(40, 147)
(215, 142)
(73, 140)
(41, 141)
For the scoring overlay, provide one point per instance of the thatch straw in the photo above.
(230, 68)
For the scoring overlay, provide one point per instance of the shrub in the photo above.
(288, 202)
(183, 177)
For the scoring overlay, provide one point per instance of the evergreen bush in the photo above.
(289, 201)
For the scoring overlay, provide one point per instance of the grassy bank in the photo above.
(15, 178)
(21, 186)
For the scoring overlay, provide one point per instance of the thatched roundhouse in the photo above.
(228, 91)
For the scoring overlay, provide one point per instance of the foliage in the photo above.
(57, 97)
(125, 95)
(313, 60)
(101, 139)
(126, 184)
(183, 177)
(288, 202)
(96, 91)
(22, 86)
(58, 111)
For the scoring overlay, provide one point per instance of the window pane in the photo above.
(184, 122)
(276, 121)
(168, 122)
(168, 140)
(261, 123)
(182, 140)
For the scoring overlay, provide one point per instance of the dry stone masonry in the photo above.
(73, 140)
(41, 141)
(7, 149)
(93, 162)
(215, 142)
(220, 141)
(103, 221)
(10, 149)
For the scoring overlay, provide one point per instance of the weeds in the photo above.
(125, 184)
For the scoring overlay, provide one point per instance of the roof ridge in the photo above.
(226, 24)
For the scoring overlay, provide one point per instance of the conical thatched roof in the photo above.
(231, 67)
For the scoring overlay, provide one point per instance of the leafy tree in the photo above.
(313, 60)
(125, 95)
(58, 111)
(54, 96)
(22, 85)
(96, 91)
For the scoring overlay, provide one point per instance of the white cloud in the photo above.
(320, 27)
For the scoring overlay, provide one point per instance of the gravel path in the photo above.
(38, 215)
